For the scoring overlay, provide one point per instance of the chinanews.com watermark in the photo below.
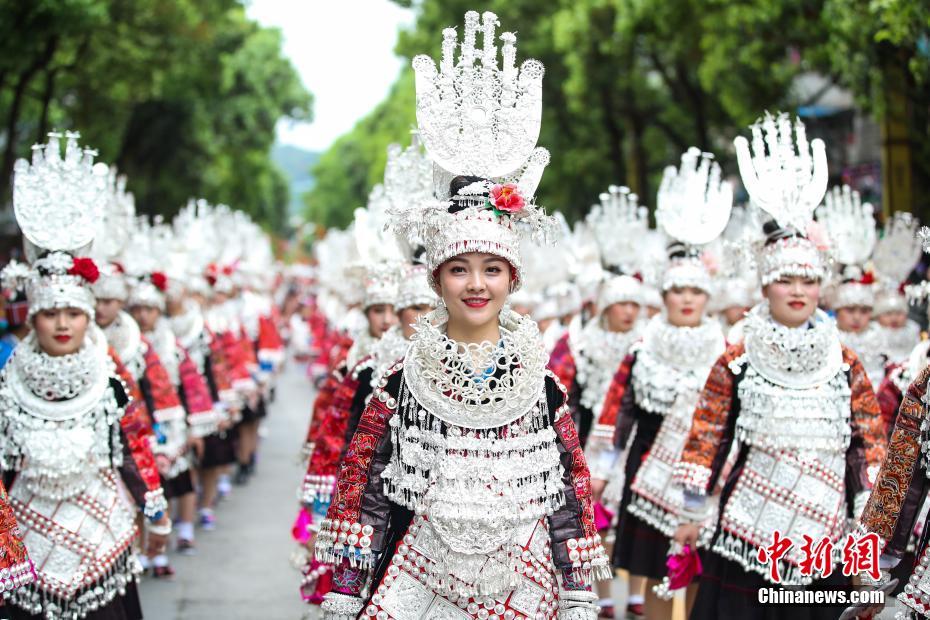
(812, 598)
(858, 556)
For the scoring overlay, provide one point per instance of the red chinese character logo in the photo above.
(817, 557)
(861, 556)
(774, 552)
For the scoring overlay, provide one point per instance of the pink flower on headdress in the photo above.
(816, 234)
(711, 264)
(506, 198)
(85, 268)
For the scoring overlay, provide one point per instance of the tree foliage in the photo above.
(183, 95)
(631, 84)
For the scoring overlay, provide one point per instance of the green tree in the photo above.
(348, 170)
(631, 84)
(183, 95)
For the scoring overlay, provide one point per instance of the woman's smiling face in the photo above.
(474, 288)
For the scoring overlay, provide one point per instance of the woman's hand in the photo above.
(597, 489)
(687, 534)
(157, 543)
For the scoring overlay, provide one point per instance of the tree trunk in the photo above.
(897, 186)
(48, 93)
(9, 151)
(614, 135)
(637, 163)
(699, 107)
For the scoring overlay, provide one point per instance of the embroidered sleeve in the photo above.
(562, 362)
(165, 403)
(248, 351)
(321, 404)
(900, 469)
(328, 447)
(867, 444)
(889, 399)
(708, 440)
(602, 449)
(576, 545)
(202, 416)
(270, 346)
(220, 373)
(16, 568)
(240, 378)
(137, 430)
(349, 531)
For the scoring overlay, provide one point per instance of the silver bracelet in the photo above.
(577, 605)
(883, 578)
(158, 530)
(338, 606)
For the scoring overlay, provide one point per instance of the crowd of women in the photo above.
(138, 360)
(510, 409)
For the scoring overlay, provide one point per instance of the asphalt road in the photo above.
(242, 569)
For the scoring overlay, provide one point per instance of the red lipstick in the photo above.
(62, 338)
(476, 302)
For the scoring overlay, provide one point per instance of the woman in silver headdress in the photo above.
(61, 402)
(797, 404)
(464, 490)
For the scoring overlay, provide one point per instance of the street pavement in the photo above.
(242, 569)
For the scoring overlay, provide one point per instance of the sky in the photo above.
(343, 51)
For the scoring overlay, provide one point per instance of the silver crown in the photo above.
(850, 225)
(58, 200)
(414, 289)
(790, 256)
(786, 182)
(619, 289)
(116, 222)
(479, 119)
(898, 250)
(619, 223)
(693, 204)
(693, 208)
(408, 174)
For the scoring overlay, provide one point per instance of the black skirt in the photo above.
(126, 607)
(639, 548)
(180, 485)
(218, 450)
(726, 591)
(260, 411)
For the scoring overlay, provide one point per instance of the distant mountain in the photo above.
(296, 163)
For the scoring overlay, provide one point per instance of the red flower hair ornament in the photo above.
(160, 281)
(506, 198)
(85, 268)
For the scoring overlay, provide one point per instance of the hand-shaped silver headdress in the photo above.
(619, 224)
(786, 183)
(693, 204)
(479, 119)
(849, 224)
(58, 200)
(898, 250)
